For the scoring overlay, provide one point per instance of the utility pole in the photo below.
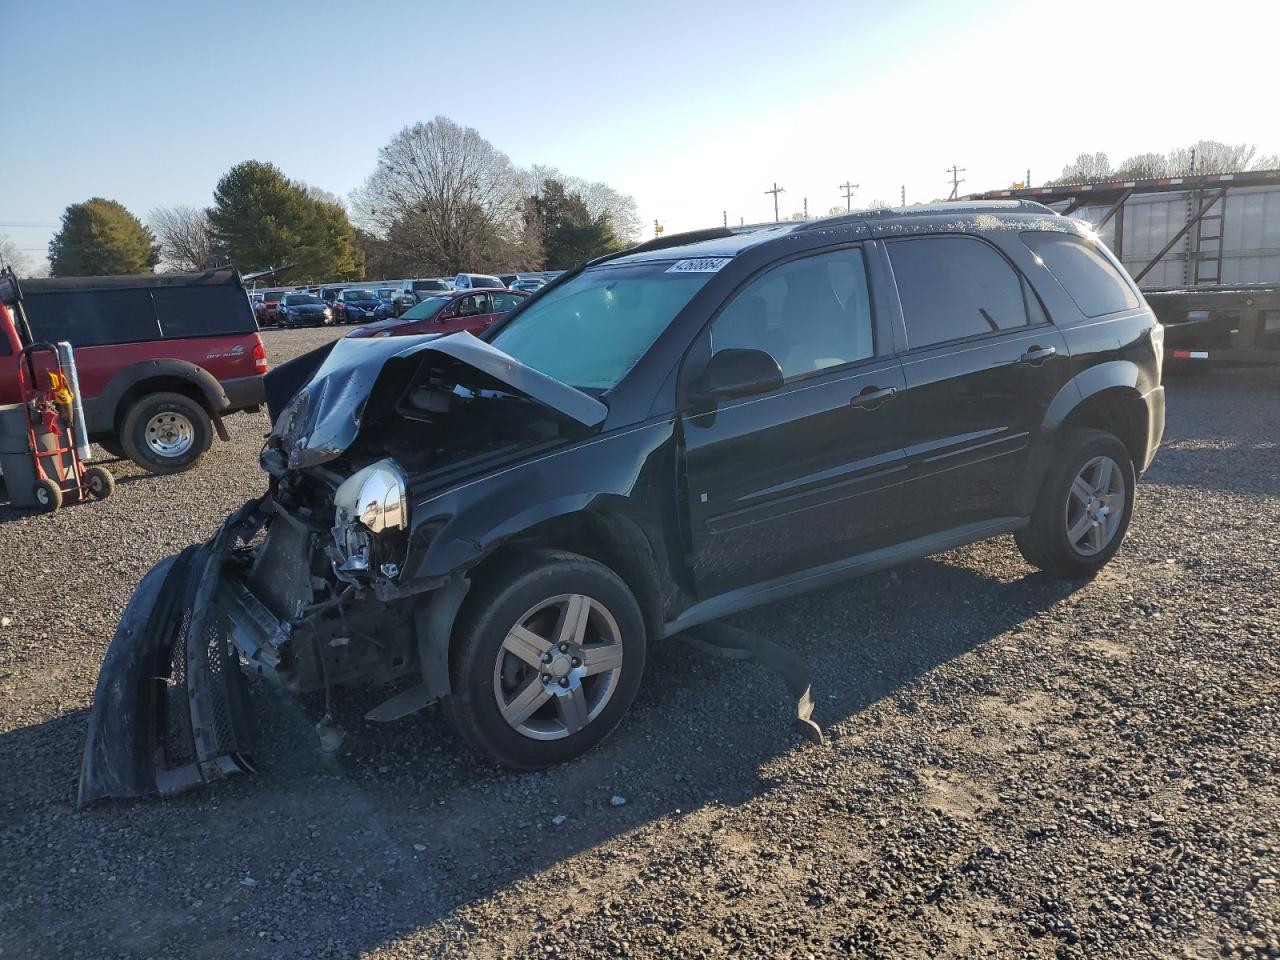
(806, 208)
(726, 219)
(775, 191)
(1028, 180)
(955, 180)
(848, 189)
(904, 194)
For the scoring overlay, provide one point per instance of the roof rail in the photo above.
(927, 210)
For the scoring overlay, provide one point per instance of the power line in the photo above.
(775, 191)
(955, 180)
(25, 223)
(848, 189)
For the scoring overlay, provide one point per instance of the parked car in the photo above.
(668, 436)
(472, 311)
(304, 310)
(267, 306)
(160, 360)
(386, 302)
(508, 279)
(472, 281)
(411, 291)
(356, 305)
(529, 284)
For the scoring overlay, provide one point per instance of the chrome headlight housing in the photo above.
(375, 496)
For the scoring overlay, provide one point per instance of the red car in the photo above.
(266, 309)
(160, 359)
(447, 312)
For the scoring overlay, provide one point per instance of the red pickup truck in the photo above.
(161, 359)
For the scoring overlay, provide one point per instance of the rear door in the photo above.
(982, 363)
(804, 475)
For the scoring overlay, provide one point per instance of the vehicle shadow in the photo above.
(403, 823)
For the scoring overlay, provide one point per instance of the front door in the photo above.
(806, 474)
(982, 364)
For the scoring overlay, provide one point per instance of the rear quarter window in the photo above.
(1084, 271)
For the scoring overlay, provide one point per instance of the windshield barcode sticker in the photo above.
(701, 265)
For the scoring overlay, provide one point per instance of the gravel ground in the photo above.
(1014, 766)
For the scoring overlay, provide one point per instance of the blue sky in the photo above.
(693, 108)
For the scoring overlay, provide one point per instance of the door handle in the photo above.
(1038, 355)
(871, 398)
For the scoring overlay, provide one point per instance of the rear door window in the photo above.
(1084, 271)
(956, 287)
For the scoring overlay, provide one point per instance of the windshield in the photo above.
(429, 285)
(425, 310)
(590, 331)
(480, 281)
(385, 293)
(299, 299)
(358, 295)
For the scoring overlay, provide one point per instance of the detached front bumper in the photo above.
(171, 709)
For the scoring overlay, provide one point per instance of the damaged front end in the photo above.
(319, 582)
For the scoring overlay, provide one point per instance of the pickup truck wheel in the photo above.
(1084, 507)
(166, 432)
(547, 657)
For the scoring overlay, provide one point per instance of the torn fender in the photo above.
(171, 709)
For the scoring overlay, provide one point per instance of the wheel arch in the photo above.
(133, 382)
(1107, 397)
(608, 536)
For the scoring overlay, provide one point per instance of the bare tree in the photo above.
(445, 193)
(600, 198)
(186, 245)
(1143, 166)
(878, 205)
(12, 257)
(1213, 156)
(1086, 167)
(322, 195)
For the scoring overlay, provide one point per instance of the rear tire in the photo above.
(575, 611)
(166, 432)
(1074, 531)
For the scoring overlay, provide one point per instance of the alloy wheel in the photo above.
(1095, 506)
(558, 667)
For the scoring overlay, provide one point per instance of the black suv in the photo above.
(664, 437)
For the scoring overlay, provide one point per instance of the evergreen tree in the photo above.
(101, 238)
(261, 219)
(570, 235)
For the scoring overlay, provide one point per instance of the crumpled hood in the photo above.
(325, 415)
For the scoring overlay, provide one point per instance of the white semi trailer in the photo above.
(1204, 249)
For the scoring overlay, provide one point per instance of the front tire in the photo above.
(1084, 507)
(166, 432)
(547, 657)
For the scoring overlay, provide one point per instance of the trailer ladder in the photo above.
(1208, 267)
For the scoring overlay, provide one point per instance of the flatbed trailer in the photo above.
(1205, 250)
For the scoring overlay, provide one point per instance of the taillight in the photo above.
(260, 357)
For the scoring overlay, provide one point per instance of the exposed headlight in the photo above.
(375, 496)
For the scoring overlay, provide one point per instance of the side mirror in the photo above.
(740, 373)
